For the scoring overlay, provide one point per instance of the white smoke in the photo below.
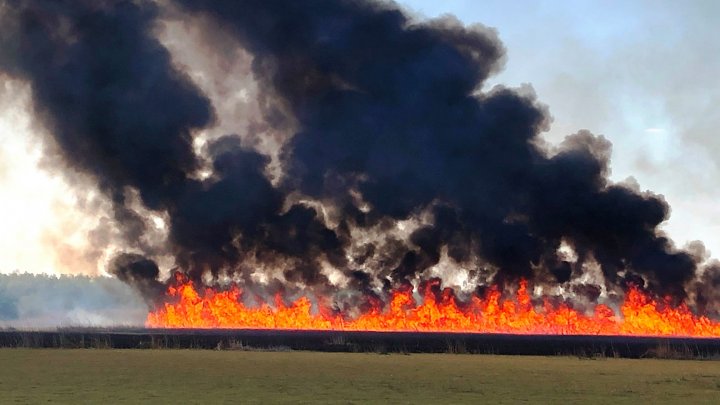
(30, 301)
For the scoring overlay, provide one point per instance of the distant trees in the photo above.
(42, 300)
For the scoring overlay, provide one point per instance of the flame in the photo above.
(640, 315)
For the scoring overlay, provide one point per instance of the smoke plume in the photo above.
(395, 159)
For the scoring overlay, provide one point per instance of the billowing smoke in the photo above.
(138, 272)
(395, 158)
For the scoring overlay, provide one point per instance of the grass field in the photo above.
(195, 376)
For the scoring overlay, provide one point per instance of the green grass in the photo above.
(189, 376)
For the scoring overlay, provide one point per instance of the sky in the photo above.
(641, 73)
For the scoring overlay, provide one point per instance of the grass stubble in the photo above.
(202, 376)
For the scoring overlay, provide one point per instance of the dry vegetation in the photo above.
(194, 376)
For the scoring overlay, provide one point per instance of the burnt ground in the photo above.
(380, 342)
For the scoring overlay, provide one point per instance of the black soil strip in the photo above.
(379, 342)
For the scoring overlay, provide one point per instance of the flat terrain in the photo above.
(201, 376)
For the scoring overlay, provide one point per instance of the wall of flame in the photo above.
(639, 315)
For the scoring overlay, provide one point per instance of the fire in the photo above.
(640, 315)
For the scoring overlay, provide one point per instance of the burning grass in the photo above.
(180, 376)
(439, 311)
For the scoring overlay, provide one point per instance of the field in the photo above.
(201, 376)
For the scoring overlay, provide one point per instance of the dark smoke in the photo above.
(390, 123)
(139, 272)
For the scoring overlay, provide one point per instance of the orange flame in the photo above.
(640, 315)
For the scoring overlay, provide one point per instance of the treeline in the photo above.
(38, 301)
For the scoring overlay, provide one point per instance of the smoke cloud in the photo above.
(393, 161)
